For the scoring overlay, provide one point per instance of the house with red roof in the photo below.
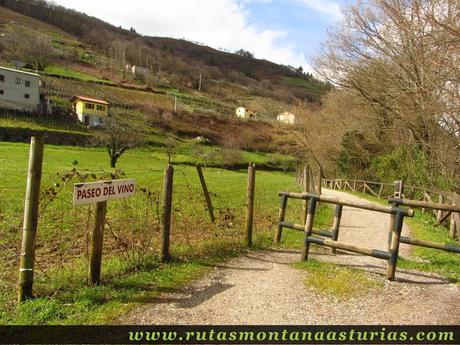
(91, 111)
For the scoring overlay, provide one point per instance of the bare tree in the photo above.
(402, 59)
(36, 51)
(118, 137)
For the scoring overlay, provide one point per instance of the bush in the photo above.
(410, 164)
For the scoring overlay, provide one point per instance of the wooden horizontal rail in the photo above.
(425, 204)
(428, 244)
(325, 233)
(380, 254)
(371, 207)
(406, 187)
(359, 181)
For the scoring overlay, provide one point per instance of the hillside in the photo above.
(176, 63)
(89, 57)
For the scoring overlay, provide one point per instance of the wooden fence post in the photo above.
(320, 180)
(281, 215)
(97, 244)
(336, 224)
(440, 214)
(308, 228)
(206, 193)
(29, 230)
(250, 203)
(311, 181)
(166, 213)
(394, 248)
(305, 189)
(453, 226)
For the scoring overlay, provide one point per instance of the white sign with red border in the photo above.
(91, 192)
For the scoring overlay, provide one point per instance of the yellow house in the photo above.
(90, 111)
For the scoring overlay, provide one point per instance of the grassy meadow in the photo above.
(131, 271)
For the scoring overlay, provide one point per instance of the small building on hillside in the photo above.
(91, 111)
(245, 113)
(287, 118)
(19, 90)
(137, 71)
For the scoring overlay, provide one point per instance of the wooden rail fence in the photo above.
(394, 234)
(429, 196)
(391, 255)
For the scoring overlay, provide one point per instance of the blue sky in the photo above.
(305, 26)
(286, 32)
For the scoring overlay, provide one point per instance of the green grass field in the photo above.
(131, 272)
(72, 73)
(41, 124)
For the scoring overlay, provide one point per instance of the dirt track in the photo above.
(263, 288)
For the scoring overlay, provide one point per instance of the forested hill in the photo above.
(180, 62)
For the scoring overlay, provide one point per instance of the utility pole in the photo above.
(175, 103)
(199, 85)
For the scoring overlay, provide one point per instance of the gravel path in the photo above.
(263, 288)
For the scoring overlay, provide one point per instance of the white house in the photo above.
(19, 90)
(245, 113)
(287, 118)
(137, 71)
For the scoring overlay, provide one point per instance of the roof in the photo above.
(89, 99)
(19, 71)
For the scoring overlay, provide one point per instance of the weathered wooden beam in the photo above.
(380, 190)
(336, 224)
(348, 184)
(298, 227)
(166, 212)
(429, 244)
(394, 248)
(250, 203)
(371, 191)
(364, 206)
(281, 215)
(305, 189)
(444, 216)
(365, 251)
(97, 241)
(206, 193)
(425, 204)
(453, 227)
(439, 214)
(308, 227)
(30, 224)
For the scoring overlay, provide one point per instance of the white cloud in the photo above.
(328, 8)
(217, 23)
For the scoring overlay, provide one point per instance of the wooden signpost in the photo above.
(99, 193)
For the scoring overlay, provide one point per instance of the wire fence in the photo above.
(133, 225)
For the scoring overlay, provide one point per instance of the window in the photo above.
(18, 81)
(27, 96)
(27, 83)
(100, 108)
(89, 106)
(86, 120)
(2, 77)
(2, 92)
